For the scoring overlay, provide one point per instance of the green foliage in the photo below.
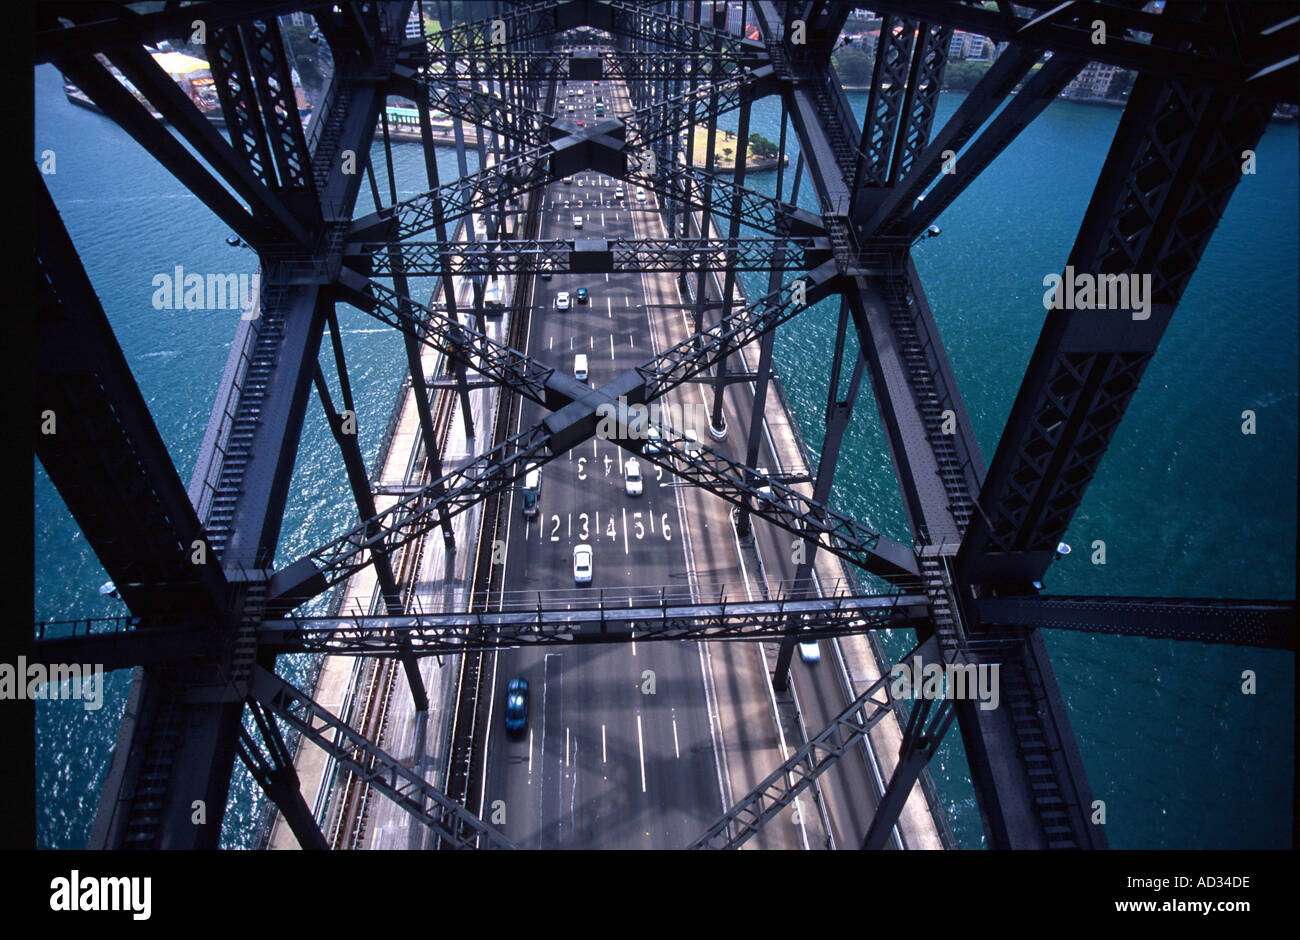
(760, 146)
(853, 66)
(963, 76)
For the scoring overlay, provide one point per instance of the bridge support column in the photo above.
(718, 424)
(275, 774)
(919, 745)
(365, 501)
(837, 420)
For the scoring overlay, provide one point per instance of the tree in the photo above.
(963, 76)
(853, 66)
(761, 146)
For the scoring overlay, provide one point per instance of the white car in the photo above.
(562, 300)
(619, 194)
(632, 477)
(580, 367)
(577, 221)
(810, 652)
(582, 564)
(569, 180)
(640, 194)
(764, 491)
(692, 442)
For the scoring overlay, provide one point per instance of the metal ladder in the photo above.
(248, 415)
(921, 378)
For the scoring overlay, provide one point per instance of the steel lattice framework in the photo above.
(204, 639)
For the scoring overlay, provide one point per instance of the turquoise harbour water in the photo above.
(1187, 505)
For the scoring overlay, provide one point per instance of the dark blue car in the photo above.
(516, 704)
(581, 296)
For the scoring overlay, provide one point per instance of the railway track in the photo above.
(347, 827)
(474, 683)
(467, 735)
(349, 818)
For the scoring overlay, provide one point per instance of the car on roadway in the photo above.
(692, 443)
(764, 491)
(516, 705)
(581, 296)
(562, 300)
(532, 490)
(653, 442)
(580, 367)
(582, 563)
(640, 194)
(577, 221)
(810, 652)
(569, 180)
(547, 267)
(619, 194)
(632, 477)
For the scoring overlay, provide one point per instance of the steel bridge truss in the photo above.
(983, 539)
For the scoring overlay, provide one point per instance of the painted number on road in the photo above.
(582, 536)
(555, 528)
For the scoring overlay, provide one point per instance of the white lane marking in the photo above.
(550, 342)
(611, 347)
(676, 750)
(530, 748)
(592, 345)
(631, 340)
(625, 535)
(640, 746)
(566, 745)
(602, 744)
(602, 220)
(609, 307)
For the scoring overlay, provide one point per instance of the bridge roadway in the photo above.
(604, 764)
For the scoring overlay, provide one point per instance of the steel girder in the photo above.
(121, 106)
(105, 27)
(509, 461)
(572, 620)
(779, 789)
(911, 377)
(693, 186)
(271, 765)
(102, 449)
(163, 93)
(522, 374)
(518, 122)
(592, 256)
(1235, 44)
(1036, 94)
(882, 207)
(1174, 163)
(425, 803)
(885, 103)
(1261, 623)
